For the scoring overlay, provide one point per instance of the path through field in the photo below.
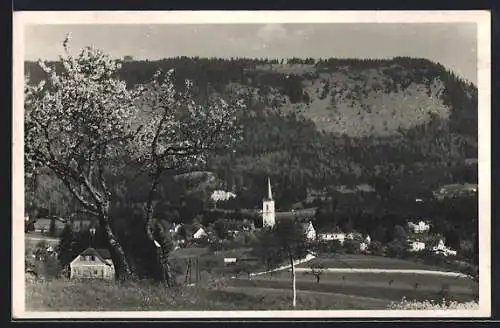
(408, 271)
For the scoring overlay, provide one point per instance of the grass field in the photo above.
(61, 295)
(382, 286)
(335, 291)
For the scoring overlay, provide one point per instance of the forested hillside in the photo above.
(315, 125)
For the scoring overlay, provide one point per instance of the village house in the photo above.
(43, 224)
(309, 231)
(221, 195)
(441, 249)
(335, 234)
(230, 260)
(175, 228)
(354, 236)
(200, 233)
(416, 246)
(420, 227)
(92, 264)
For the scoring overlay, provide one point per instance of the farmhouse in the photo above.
(43, 224)
(200, 233)
(175, 228)
(441, 249)
(92, 264)
(355, 236)
(309, 231)
(415, 246)
(335, 234)
(221, 195)
(420, 227)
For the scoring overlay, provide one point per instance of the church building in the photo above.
(268, 213)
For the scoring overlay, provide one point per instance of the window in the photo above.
(92, 258)
(96, 272)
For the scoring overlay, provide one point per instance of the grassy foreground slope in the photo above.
(108, 296)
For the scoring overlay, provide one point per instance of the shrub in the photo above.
(351, 246)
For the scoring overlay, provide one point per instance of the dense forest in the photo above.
(292, 135)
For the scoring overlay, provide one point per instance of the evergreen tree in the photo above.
(52, 227)
(66, 248)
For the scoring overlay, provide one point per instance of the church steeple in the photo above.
(269, 193)
(268, 214)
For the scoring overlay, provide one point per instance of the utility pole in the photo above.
(190, 272)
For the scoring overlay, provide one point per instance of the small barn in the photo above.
(92, 264)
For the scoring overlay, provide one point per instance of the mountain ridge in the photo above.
(317, 123)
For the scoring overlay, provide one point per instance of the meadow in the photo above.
(270, 291)
(382, 286)
(61, 295)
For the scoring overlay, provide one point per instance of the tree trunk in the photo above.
(294, 290)
(163, 269)
(164, 272)
(122, 267)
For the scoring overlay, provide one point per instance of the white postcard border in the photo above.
(481, 18)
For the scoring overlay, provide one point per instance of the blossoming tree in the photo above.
(76, 122)
(84, 120)
(177, 134)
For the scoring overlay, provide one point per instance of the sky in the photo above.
(454, 45)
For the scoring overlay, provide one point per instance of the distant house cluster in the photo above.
(420, 227)
(416, 243)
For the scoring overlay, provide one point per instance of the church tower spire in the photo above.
(268, 210)
(269, 193)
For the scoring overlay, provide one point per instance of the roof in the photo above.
(200, 230)
(102, 253)
(46, 221)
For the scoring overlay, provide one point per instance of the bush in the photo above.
(351, 246)
(396, 248)
(376, 248)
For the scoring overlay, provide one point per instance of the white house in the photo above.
(416, 246)
(420, 227)
(354, 235)
(309, 231)
(340, 236)
(200, 233)
(92, 264)
(440, 248)
(175, 228)
(221, 195)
